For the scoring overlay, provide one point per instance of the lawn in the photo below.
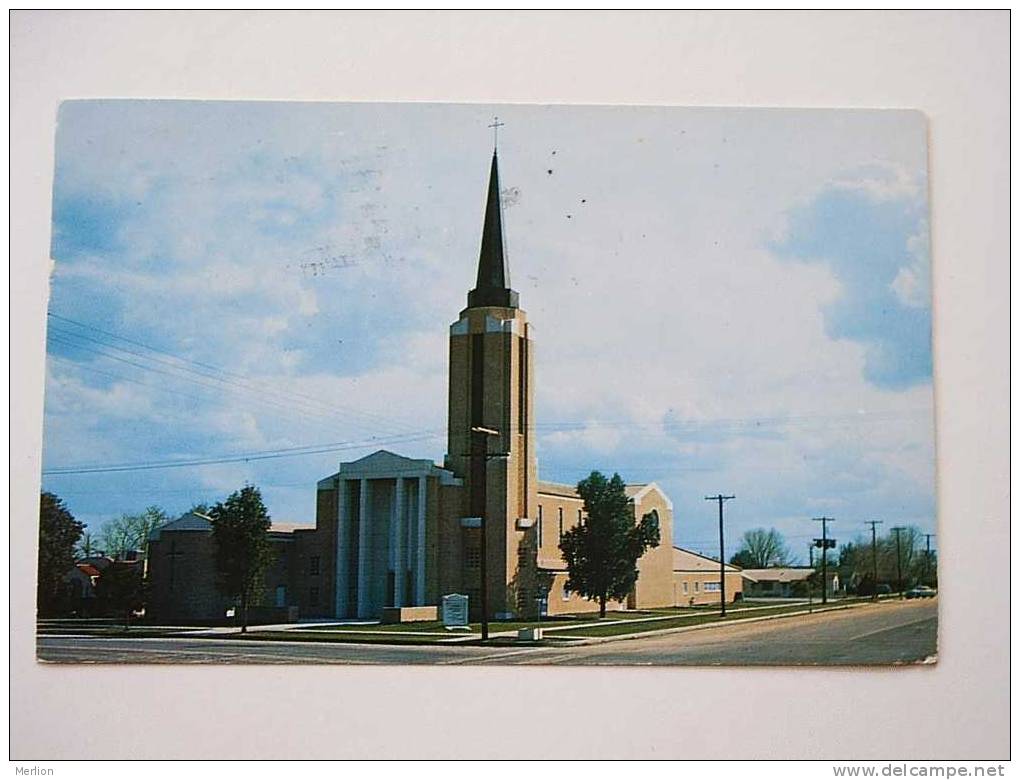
(495, 626)
(620, 629)
(339, 636)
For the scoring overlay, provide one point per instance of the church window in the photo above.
(313, 565)
(472, 556)
(711, 587)
(697, 587)
(685, 588)
(580, 520)
(566, 592)
(561, 522)
(654, 517)
(538, 525)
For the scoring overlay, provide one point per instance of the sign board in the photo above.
(455, 610)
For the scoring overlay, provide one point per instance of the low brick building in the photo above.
(696, 580)
(182, 578)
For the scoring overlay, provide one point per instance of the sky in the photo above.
(722, 300)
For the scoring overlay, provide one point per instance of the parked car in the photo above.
(920, 592)
(883, 590)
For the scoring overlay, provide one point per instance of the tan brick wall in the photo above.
(510, 481)
(654, 587)
(695, 593)
(558, 605)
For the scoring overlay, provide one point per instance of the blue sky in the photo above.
(723, 300)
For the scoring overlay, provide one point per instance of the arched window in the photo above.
(654, 517)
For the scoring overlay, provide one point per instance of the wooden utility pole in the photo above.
(874, 558)
(899, 563)
(825, 558)
(927, 559)
(722, 552)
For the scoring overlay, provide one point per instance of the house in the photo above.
(786, 582)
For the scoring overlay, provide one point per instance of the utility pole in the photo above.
(899, 563)
(479, 472)
(722, 552)
(824, 543)
(811, 563)
(927, 558)
(874, 558)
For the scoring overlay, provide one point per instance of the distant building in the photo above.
(81, 582)
(696, 580)
(785, 582)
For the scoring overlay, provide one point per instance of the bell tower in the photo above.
(490, 427)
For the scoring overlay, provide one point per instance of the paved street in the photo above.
(887, 633)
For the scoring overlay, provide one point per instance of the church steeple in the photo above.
(492, 287)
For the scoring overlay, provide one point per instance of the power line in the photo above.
(240, 458)
(217, 374)
(295, 410)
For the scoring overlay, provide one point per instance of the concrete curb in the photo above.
(715, 624)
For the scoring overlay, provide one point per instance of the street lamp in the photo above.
(479, 472)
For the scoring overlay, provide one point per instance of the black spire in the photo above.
(493, 285)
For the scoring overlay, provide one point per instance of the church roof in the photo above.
(383, 464)
(779, 574)
(687, 560)
(492, 287)
(557, 489)
(189, 521)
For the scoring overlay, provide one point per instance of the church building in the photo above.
(396, 533)
(402, 532)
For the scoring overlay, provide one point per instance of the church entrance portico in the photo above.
(382, 533)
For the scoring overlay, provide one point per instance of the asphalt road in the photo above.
(887, 633)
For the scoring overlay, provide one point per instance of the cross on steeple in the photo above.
(496, 124)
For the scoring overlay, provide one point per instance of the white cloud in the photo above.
(323, 251)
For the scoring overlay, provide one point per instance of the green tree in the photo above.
(602, 552)
(760, 549)
(243, 550)
(119, 590)
(59, 533)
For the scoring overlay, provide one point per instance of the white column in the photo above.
(419, 574)
(398, 543)
(363, 537)
(343, 543)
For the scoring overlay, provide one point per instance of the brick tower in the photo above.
(490, 444)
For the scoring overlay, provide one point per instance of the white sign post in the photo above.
(455, 611)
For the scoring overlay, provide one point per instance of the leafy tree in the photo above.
(602, 552)
(131, 532)
(857, 560)
(760, 549)
(59, 533)
(243, 550)
(119, 589)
